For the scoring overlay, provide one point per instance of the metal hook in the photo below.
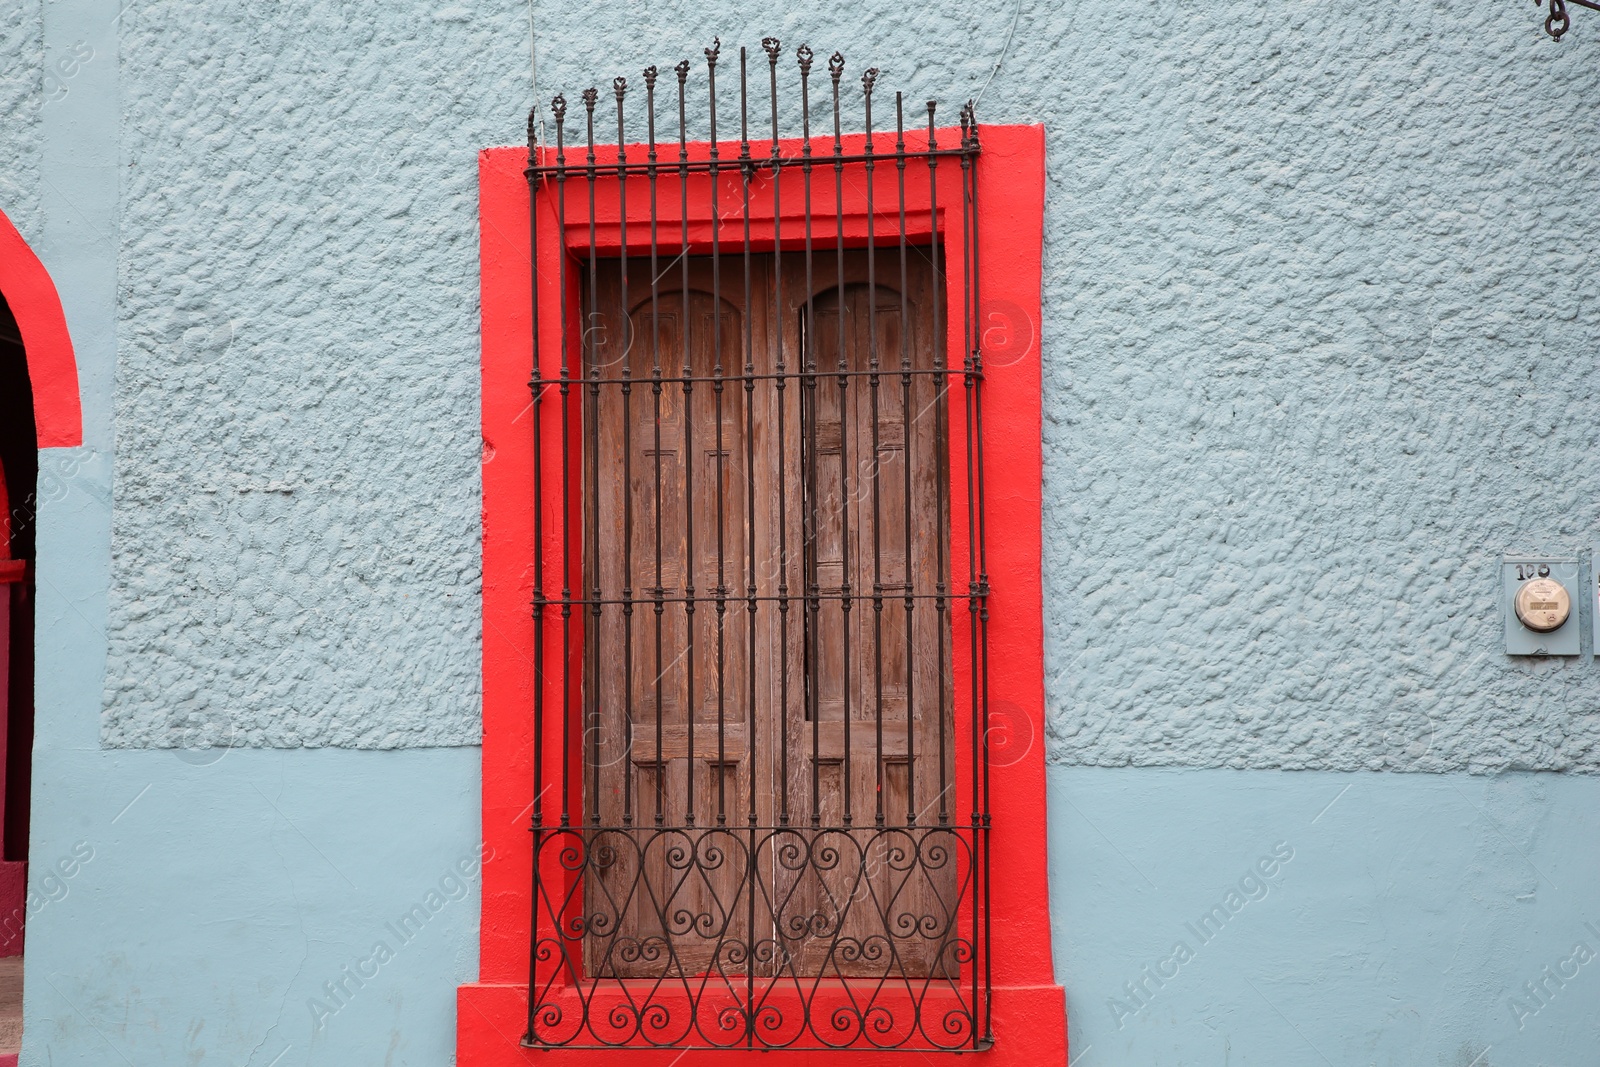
(1558, 22)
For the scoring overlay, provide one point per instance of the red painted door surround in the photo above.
(1029, 1020)
(52, 369)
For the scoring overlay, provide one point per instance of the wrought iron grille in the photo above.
(766, 825)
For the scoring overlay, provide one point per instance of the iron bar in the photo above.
(537, 396)
(941, 574)
(771, 163)
(835, 71)
(808, 426)
(905, 415)
(772, 47)
(761, 376)
(658, 592)
(867, 78)
(982, 873)
(591, 327)
(752, 718)
(620, 88)
(969, 341)
(767, 598)
(687, 462)
(558, 107)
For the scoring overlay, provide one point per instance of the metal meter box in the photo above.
(1540, 598)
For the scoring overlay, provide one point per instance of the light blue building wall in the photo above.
(1319, 342)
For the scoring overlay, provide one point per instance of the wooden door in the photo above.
(876, 725)
(707, 722)
(670, 695)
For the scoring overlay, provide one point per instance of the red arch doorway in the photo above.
(38, 409)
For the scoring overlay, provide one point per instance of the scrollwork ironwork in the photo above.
(832, 902)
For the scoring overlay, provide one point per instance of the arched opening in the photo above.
(19, 467)
(39, 408)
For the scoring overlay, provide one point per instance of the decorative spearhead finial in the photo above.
(619, 86)
(650, 76)
(804, 55)
(869, 78)
(836, 65)
(558, 107)
(682, 70)
(713, 51)
(590, 95)
(533, 122)
(771, 46)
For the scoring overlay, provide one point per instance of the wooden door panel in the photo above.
(669, 691)
(814, 739)
(873, 900)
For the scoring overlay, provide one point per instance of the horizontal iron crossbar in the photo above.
(804, 377)
(733, 165)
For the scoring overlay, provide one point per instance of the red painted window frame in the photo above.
(1028, 1009)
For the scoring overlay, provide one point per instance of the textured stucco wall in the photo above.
(1317, 349)
(296, 526)
(21, 100)
(1320, 347)
(224, 889)
(1330, 256)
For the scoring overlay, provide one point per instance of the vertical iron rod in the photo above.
(983, 571)
(716, 400)
(660, 766)
(746, 173)
(619, 87)
(682, 70)
(592, 466)
(772, 46)
(980, 725)
(751, 718)
(941, 601)
(559, 108)
(877, 511)
(835, 70)
(808, 420)
(536, 388)
(906, 431)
